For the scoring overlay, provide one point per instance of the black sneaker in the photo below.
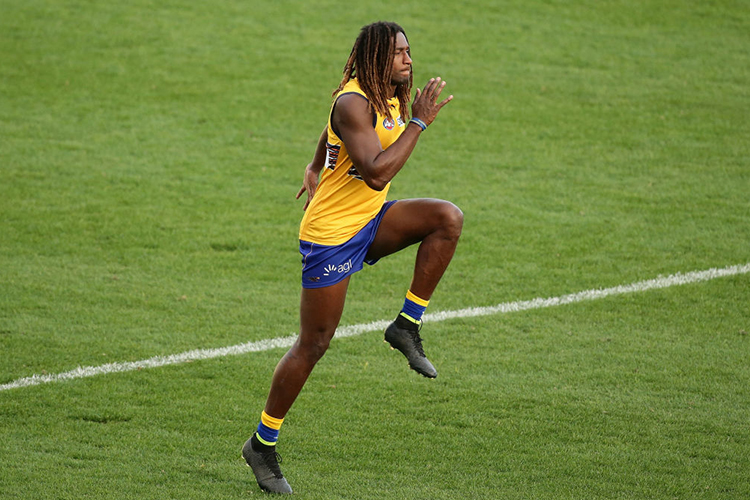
(403, 335)
(265, 465)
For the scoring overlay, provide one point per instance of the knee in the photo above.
(314, 349)
(452, 219)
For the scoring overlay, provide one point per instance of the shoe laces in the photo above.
(417, 341)
(272, 459)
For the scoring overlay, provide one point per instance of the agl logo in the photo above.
(342, 268)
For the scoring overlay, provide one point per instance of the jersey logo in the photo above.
(388, 123)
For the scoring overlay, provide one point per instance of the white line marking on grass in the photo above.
(354, 330)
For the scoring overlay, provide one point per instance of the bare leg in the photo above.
(320, 312)
(434, 224)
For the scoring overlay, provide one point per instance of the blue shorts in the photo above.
(324, 265)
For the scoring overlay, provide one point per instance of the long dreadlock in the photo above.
(371, 62)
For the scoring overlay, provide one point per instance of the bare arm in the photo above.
(312, 172)
(353, 120)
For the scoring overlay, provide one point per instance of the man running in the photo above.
(348, 221)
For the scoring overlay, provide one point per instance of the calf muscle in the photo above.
(435, 224)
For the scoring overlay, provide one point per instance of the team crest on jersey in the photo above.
(388, 123)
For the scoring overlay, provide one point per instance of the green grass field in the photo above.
(150, 153)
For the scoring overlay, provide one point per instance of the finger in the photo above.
(446, 101)
(424, 90)
(438, 90)
(302, 190)
(437, 83)
(430, 86)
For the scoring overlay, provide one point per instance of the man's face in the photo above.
(401, 62)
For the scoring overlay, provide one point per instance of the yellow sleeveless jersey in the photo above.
(343, 203)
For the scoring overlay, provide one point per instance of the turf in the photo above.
(149, 157)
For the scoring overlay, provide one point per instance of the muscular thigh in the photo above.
(408, 222)
(320, 312)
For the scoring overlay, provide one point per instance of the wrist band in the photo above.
(420, 123)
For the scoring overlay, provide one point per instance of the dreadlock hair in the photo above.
(371, 62)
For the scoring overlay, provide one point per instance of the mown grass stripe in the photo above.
(354, 330)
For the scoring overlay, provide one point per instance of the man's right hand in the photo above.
(309, 185)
